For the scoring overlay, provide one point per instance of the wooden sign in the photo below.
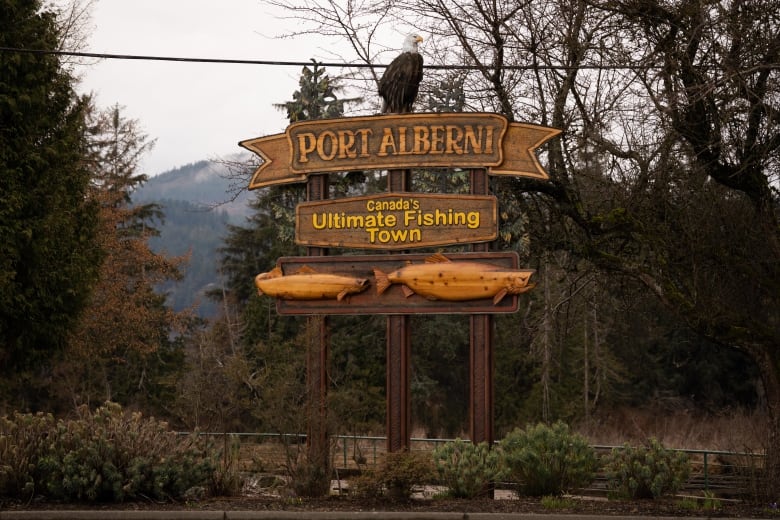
(391, 221)
(393, 141)
(395, 297)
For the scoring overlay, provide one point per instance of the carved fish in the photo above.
(439, 278)
(307, 284)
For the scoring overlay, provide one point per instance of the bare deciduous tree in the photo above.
(667, 170)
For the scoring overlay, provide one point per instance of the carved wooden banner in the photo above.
(397, 221)
(399, 141)
(379, 284)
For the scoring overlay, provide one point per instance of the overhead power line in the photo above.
(282, 63)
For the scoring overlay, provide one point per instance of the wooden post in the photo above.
(398, 354)
(481, 363)
(317, 353)
(481, 351)
(398, 397)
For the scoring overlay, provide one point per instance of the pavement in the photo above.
(299, 515)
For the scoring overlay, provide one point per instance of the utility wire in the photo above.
(277, 63)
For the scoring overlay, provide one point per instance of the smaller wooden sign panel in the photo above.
(395, 298)
(393, 221)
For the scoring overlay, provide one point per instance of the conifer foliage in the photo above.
(80, 321)
(48, 223)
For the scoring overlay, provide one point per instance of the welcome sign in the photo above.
(465, 140)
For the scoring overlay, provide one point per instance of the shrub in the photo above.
(105, 456)
(466, 469)
(556, 503)
(548, 460)
(647, 471)
(309, 479)
(366, 485)
(400, 472)
(226, 479)
(23, 438)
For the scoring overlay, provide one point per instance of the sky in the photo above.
(195, 111)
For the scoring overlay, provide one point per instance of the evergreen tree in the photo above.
(48, 255)
(317, 97)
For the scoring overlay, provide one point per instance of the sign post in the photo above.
(481, 362)
(317, 355)
(399, 348)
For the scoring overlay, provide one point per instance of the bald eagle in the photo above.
(399, 84)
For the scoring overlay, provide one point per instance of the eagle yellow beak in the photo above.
(419, 39)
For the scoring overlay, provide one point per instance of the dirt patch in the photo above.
(667, 507)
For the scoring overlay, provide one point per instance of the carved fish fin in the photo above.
(276, 272)
(499, 296)
(407, 290)
(342, 294)
(437, 258)
(306, 270)
(382, 282)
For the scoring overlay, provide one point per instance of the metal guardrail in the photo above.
(712, 470)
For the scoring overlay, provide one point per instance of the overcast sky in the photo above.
(195, 111)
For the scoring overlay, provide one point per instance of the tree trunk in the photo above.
(546, 340)
(769, 367)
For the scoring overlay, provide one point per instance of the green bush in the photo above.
(400, 472)
(547, 460)
(647, 471)
(465, 468)
(106, 456)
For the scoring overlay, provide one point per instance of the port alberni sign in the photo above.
(397, 141)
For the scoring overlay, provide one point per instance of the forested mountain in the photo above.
(202, 183)
(195, 200)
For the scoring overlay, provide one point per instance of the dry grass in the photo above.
(738, 431)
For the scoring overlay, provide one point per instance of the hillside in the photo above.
(196, 201)
(202, 184)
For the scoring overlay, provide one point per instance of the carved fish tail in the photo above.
(382, 281)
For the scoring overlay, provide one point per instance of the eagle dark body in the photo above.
(399, 84)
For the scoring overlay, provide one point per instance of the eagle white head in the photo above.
(411, 42)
